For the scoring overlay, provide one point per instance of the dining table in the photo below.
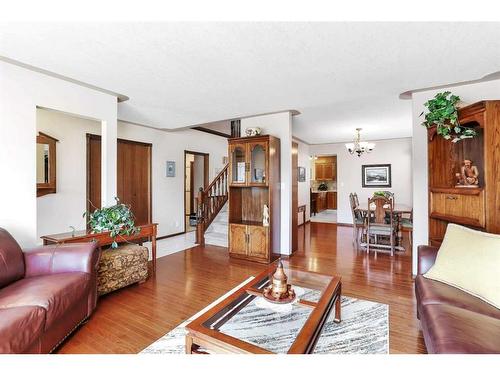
(397, 209)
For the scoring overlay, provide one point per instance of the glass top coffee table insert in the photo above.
(247, 323)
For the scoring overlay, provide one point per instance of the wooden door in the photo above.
(238, 239)
(257, 241)
(259, 163)
(93, 172)
(238, 175)
(133, 176)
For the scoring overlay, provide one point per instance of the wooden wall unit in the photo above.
(479, 207)
(254, 181)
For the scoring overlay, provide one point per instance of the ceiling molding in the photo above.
(294, 138)
(210, 131)
(488, 77)
(120, 97)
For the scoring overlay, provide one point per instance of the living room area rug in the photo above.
(364, 329)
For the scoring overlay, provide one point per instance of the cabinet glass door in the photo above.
(238, 165)
(258, 163)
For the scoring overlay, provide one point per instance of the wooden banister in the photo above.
(210, 201)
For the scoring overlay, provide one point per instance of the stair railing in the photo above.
(210, 201)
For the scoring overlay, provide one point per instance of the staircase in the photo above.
(210, 203)
(216, 234)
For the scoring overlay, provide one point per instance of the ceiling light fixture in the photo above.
(359, 147)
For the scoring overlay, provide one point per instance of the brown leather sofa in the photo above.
(452, 320)
(45, 293)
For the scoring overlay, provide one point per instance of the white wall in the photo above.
(56, 212)
(469, 94)
(397, 152)
(304, 187)
(280, 125)
(22, 90)
(168, 192)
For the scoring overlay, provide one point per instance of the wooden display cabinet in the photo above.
(254, 181)
(475, 207)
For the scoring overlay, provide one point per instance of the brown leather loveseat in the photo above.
(452, 320)
(45, 293)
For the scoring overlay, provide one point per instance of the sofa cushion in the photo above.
(449, 329)
(430, 292)
(20, 328)
(11, 259)
(469, 260)
(55, 293)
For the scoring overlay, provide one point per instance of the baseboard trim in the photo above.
(168, 236)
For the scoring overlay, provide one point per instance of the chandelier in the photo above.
(359, 147)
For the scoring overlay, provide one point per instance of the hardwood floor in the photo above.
(128, 320)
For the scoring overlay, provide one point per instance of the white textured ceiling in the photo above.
(338, 75)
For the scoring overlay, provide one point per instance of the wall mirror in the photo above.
(45, 164)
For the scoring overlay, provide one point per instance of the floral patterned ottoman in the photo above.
(125, 265)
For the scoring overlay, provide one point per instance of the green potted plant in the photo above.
(118, 220)
(442, 117)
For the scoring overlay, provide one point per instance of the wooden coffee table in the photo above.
(245, 323)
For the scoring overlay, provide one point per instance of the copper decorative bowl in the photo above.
(286, 297)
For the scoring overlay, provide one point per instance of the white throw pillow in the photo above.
(469, 260)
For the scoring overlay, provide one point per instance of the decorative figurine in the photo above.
(252, 132)
(265, 216)
(468, 176)
(279, 291)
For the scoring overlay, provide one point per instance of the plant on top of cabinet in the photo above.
(442, 117)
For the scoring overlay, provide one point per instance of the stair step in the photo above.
(216, 238)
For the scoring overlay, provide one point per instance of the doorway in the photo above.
(133, 176)
(196, 166)
(324, 188)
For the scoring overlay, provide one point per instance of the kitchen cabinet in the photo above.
(331, 198)
(320, 200)
(325, 169)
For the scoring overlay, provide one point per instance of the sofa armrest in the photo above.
(426, 258)
(51, 259)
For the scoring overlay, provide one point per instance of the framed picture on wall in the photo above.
(376, 175)
(302, 174)
(170, 168)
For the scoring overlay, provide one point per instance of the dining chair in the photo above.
(379, 224)
(390, 195)
(358, 221)
(356, 200)
(406, 224)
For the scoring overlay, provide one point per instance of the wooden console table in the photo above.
(146, 231)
